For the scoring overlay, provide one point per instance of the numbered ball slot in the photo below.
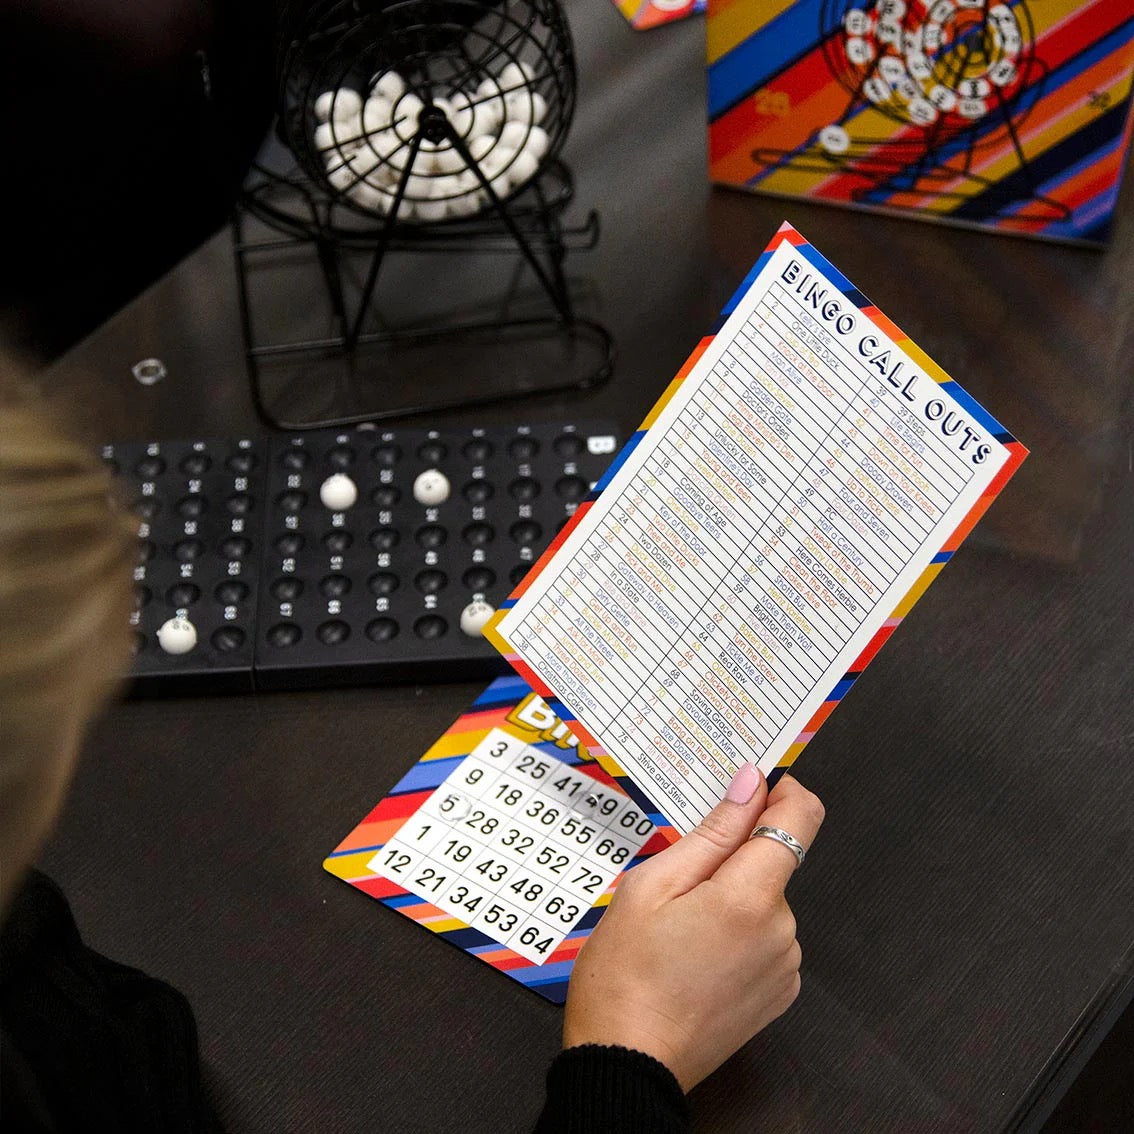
(195, 574)
(318, 510)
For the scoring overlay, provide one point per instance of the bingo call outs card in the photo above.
(789, 498)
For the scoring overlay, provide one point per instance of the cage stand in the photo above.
(529, 222)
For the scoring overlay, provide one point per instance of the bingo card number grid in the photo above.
(516, 844)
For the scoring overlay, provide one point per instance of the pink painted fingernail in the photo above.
(744, 784)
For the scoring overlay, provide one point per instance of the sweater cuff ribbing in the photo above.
(614, 1090)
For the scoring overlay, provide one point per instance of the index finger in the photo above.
(793, 809)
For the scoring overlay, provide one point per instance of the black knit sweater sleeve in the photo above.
(611, 1090)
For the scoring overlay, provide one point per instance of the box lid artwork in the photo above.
(1009, 116)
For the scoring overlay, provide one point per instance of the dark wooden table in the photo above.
(967, 916)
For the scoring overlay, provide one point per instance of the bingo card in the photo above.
(505, 839)
(645, 14)
(793, 493)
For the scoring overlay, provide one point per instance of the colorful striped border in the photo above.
(642, 15)
(1016, 451)
(348, 861)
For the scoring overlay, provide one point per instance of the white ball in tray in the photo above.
(366, 144)
(475, 617)
(431, 488)
(338, 492)
(177, 635)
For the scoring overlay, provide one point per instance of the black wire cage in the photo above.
(431, 128)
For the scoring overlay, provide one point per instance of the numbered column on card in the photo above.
(490, 869)
(397, 862)
(475, 776)
(498, 918)
(464, 898)
(419, 835)
(516, 842)
(552, 862)
(534, 940)
(498, 748)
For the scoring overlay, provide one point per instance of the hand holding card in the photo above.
(697, 952)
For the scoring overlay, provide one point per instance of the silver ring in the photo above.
(780, 836)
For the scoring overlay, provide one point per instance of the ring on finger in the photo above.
(784, 838)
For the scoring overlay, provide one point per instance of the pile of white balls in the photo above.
(366, 144)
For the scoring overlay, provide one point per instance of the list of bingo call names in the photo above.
(765, 527)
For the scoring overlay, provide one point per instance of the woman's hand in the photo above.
(697, 952)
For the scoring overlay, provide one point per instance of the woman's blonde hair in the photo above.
(65, 553)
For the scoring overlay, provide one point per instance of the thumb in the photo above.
(698, 854)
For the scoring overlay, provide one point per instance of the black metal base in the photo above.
(360, 369)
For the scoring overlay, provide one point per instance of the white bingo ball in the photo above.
(377, 114)
(523, 169)
(447, 186)
(488, 107)
(324, 137)
(497, 167)
(431, 488)
(383, 143)
(363, 161)
(418, 188)
(372, 199)
(527, 106)
(470, 197)
(389, 85)
(323, 105)
(338, 492)
(834, 139)
(464, 206)
(341, 176)
(346, 104)
(177, 635)
(432, 210)
(486, 117)
(513, 76)
(474, 617)
(460, 114)
(448, 160)
(346, 131)
(499, 157)
(922, 112)
(538, 142)
(488, 89)
(481, 147)
(514, 134)
(425, 162)
(859, 51)
(406, 112)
